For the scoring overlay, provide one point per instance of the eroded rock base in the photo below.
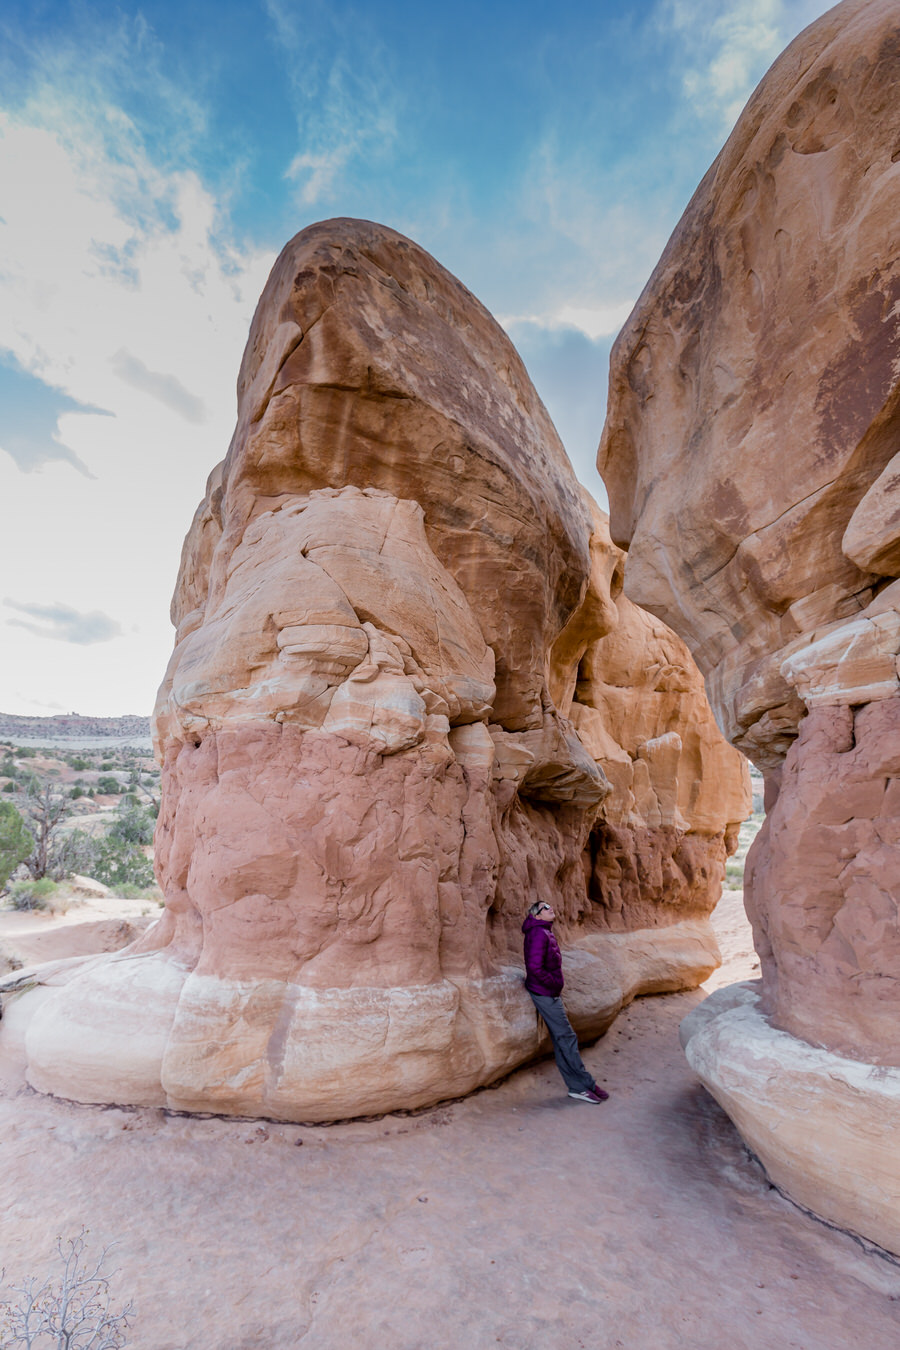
(824, 1127)
(139, 1030)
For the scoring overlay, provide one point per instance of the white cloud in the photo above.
(596, 323)
(344, 112)
(64, 623)
(168, 389)
(113, 286)
(727, 48)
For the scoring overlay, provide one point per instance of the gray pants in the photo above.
(565, 1043)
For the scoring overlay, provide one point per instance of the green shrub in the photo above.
(78, 763)
(111, 787)
(16, 841)
(75, 853)
(118, 858)
(32, 894)
(107, 766)
(117, 863)
(734, 874)
(134, 824)
(9, 787)
(77, 791)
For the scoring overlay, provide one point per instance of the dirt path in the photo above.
(516, 1218)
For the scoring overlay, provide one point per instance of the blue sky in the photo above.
(153, 161)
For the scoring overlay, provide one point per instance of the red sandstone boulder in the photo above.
(370, 772)
(769, 339)
(750, 453)
(753, 397)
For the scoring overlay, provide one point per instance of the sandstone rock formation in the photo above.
(823, 1125)
(657, 851)
(369, 772)
(750, 454)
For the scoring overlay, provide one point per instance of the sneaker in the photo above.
(593, 1095)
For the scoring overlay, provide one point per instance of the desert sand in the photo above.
(514, 1218)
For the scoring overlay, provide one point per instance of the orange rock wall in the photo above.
(373, 763)
(658, 848)
(749, 451)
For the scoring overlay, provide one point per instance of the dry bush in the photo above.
(70, 1311)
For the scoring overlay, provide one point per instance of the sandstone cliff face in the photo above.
(753, 398)
(750, 455)
(382, 612)
(369, 365)
(657, 851)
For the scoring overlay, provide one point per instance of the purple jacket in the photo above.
(543, 962)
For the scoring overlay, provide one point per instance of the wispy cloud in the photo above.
(345, 102)
(112, 263)
(611, 219)
(30, 411)
(598, 321)
(65, 624)
(98, 243)
(97, 65)
(609, 227)
(168, 389)
(727, 48)
(23, 698)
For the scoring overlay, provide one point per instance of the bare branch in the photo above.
(71, 1313)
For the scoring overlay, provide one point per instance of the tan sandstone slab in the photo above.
(824, 1127)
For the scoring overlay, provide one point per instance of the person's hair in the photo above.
(536, 908)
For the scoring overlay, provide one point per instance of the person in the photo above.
(544, 982)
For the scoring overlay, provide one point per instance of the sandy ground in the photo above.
(516, 1218)
(101, 923)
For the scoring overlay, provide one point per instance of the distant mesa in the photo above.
(65, 726)
(407, 697)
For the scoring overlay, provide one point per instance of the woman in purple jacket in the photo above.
(544, 982)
